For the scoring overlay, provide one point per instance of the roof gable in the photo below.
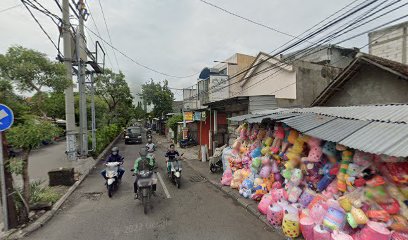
(261, 58)
(355, 66)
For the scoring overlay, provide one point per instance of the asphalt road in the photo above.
(195, 211)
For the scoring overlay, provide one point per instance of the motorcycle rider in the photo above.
(171, 156)
(115, 157)
(144, 162)
(150, 147)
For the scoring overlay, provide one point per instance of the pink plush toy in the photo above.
(315, 154)
(274, 215)
(226, 177)
(265, 171)
(265, 202)
(278, 194)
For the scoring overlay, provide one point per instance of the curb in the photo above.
(41, 221)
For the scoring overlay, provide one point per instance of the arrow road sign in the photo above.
(6, 117)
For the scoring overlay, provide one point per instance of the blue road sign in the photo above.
(6, 117)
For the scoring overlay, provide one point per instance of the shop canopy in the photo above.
(378, 129)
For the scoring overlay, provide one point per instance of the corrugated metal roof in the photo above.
(380, 138)
(306, 122)
(383, 113)
(275, 116)
(242, 117)
(336, 130)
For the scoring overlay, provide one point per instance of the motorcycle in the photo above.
(145, 181)
(112, 180)
(187, 143)
(175, 171)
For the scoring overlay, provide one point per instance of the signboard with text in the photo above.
(188, 116)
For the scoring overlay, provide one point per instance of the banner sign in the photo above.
(197, 116)
(188, 116)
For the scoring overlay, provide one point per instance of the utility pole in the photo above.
(81, 60)
(93, 113)
(69, 91)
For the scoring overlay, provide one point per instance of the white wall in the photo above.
(278, 82)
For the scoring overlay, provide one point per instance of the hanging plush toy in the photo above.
(285, 143)
(279, 135)
(341, 176)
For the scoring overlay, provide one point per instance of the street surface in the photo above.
(195, 211)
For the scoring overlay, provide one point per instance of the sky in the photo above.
(178, 37)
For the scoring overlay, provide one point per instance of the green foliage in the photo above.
(114, 90)
(15, 166)
(15, 102)
(49, 104)
(40, 193)
(139, 113)
(31, 70)
(173, 122)
(31, 134)
(159, 95)
(104, 136)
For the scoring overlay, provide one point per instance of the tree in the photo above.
(114, 90)
(31, 70)
(28, 136)
(139, 113)
(12, 100)
(49, 104)
(173, 122)
(159, 95)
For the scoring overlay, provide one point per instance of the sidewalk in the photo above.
(215, 179)
(47, 158)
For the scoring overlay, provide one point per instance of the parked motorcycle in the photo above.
(112, 180)
(175, 171)
(187, 143)
(145, 181)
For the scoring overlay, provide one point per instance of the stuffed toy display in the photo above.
(320, 189)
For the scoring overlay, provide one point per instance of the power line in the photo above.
(308, 36)
(97, 30)
(136, 62)
(248, 20)
(107, 29)
(9, 8)
(42, 28)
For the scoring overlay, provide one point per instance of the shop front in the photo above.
(325, 173)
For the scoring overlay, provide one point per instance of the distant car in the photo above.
(133, 135)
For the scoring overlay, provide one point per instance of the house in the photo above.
(367, 80)
(390, 43)
(295, 79)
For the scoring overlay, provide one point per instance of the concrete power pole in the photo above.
(69, 91)
(81, 57)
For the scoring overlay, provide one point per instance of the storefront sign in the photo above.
(197, 116)
(188, 116)
(203, 116)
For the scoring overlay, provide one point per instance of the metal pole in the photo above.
(80, 45)
(3, 186)
(69, 91)
(93, 113)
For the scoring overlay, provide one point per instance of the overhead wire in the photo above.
(326, 26)
(97, 30)
(247, 19)
(305, 54)
(109, 35)
(41, 27)
(9, 8)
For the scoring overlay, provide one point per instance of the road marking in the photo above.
(163, 185)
